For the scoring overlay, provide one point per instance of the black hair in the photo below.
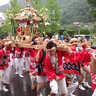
(93, 47)
(34, 43)
(50, 45)
(45, 38)
(33, 39)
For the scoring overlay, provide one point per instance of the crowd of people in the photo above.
(62, 65)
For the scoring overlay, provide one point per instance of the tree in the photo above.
(37, 4)
(13, 9)
(74, 30)
(76, 11)
(50, 13)
(71, 30)
(54, 16)
(92, 3)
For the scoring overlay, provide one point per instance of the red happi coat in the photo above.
(92, 69)
(84, 49)
(37, 62)
(33, 55)
(25, 52)
(74, 60)
(4, 53)
(50, 71)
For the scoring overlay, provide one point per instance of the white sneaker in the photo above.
(87, 85)
(16, 73)
(81, 87)
(5, 89)
(0, 86)
(21, 75)
(41, 94)
(72, 94)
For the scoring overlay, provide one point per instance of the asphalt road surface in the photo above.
(22, 87)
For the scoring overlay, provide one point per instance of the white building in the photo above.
(4, 2)
(2, 18)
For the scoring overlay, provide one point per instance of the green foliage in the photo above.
(50, 13)
(93, 12)
(92, 3)
(75, 30)
(54, 9)
(76, 11)
(94, 29)
(84, 30)
(94, 42)
(15, 8)
(5, 29)
(54, 16)
(71, 30)
(37, 4)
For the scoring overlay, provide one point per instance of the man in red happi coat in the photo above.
(54, 69)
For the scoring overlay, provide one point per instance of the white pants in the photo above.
(1, 77)
(41, 79)
(6, 77)
(26, 63)
(19, 65)
(1, 73)
(58, 87)
(33, 78)
(72, 87)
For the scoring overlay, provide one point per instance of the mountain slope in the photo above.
(72, 10)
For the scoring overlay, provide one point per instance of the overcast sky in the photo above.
(3, 2)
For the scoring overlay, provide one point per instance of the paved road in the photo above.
(22, 87)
